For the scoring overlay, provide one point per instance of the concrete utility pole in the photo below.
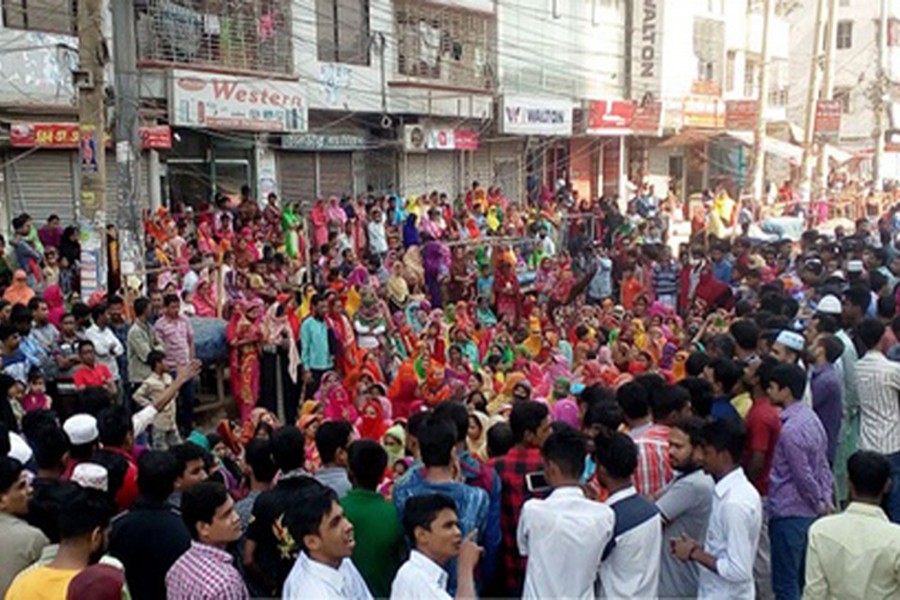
(128, 142)
(821, 179)
(811, 97)
(880, 104)
(89, 79)
(759, 151)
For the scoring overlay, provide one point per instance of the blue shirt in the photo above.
(827, 392)
(314, 351)
(722, 271)
(600, 286)
(722, 409)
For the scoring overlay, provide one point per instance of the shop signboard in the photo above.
(65, 136)
(741, 115)
(646, 48)
(156, 137)
(466, 139)
(444, 138)
(535, 116)
(828, 119)
(610, 117)
(648, 119)
(236, 103)
(704, 113)
(324, 142)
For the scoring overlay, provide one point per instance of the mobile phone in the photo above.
(536, 482)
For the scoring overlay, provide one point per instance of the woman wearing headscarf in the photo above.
(279, 386)
(205, 303)
(410, 232)
(372, 424)
(243, 335)
(18, 291)
(436, 259)
(476, 438)
(397, 288)
(319, 218)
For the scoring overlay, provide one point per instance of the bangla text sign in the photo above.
(238, 103)
(610, 117)
(828, 119)
(66, 136)
(741, 115)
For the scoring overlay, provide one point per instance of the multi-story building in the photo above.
(855, 71)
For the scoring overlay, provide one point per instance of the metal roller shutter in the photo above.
(42, 183)
(480, 168)
(297, 176)
(335, 173)
(414, 182)
(441, 173)
(381, 166)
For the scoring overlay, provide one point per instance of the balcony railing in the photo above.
(233, 35)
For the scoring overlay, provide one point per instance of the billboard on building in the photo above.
(609, 117)
(646, 48)
(236, 103)
(535, 116)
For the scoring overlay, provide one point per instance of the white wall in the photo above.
(578, 54)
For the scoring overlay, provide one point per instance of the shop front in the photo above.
(312, 165)
(436, 157)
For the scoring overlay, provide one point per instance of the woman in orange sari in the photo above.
(244, 335)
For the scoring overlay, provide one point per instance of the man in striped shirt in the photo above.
(878, 382)
(652, 440)
(666, 274)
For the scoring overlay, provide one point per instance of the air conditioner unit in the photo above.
(414, 138)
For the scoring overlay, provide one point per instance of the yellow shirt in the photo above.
(853, 556)
(742, 404)
(41, 583)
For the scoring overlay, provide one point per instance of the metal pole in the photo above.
(811, 95)
(127, 103)
(759, 151)
(879, 104)
(821, 177)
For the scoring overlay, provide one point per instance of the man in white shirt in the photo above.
(106, 345)
(563, 562)
(878, 382)
(323, 570)
(684, 504)
(630, 566)
(726, 557)
(432, 526)
(545, 243)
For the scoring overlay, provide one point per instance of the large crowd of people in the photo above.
(437, 398)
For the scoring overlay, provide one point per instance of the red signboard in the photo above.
(828, 119)
(610, 117)
(62, 136)
(741, 114)
(648, 119)
(465, 139)
(157, 137)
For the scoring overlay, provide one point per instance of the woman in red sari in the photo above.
(319, 217)
(244, 335)
(506, 291)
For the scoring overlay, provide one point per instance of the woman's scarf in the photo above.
(372, 424)
(410, 232)
(274, 330)
(478, 446)
(18, 291)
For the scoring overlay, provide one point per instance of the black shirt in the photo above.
(276, 551)
(148, 540)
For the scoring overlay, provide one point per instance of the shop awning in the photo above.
(838, 155)
(776, 147)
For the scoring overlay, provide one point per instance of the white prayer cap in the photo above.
(791, 340)
(81, 429)
(91, 475)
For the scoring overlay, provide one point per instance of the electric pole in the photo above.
(821, 178)
(759, 151)
(811, 97)
(89, 79)
(879, 103)
(128, 144)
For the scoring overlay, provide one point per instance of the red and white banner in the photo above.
(66, 136)
(610, 117)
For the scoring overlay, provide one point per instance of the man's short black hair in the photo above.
(746, 334)
(421, 511)
(634, 400)
(157, 472)
(458, 414)
(84, 344)
(726, 435)
(607, 413)
(692, 427)
(10, 469)
(141, 305)
(7, 330)
(200, 502)
(727, 373)
(50, 444)
(415, 422)
(304, 517)
(437, 440)
(617, 454)
(499, 439)
(258, 456)
(596, 393)
(566, 449)
(185, 453)
(870, 332)
(154, 357)
(81, 310)
(170, 299)
(791, 377)
(826, 323)
(368, 460)
(99, 310)
(114, 425)
(527, 416)
(332, 436)
(670, 400)
(859, 296)
(869, 473)
(696, 362)
(833, 347)
(288, 448)
(83, 512)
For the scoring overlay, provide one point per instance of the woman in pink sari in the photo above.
(244, 335)
(54, 299)
(319, 217)
(205, 304)
(335, 213)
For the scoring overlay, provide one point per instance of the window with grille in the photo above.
(245, 35)
(51, 16)
(342, 28)
(844, 35)
(443, 45)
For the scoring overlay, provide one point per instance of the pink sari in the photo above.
(319, 218)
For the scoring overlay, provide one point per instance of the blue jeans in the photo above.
(788, 539)
(892, 500)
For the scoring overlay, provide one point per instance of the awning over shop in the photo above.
(785, 150)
